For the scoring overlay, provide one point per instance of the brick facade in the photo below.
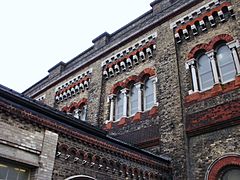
(196, 128)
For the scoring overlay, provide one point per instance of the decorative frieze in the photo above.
(128, 61)
(78, 84)
(212, 13)
(197, 12)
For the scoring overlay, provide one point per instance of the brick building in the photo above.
(157, 99)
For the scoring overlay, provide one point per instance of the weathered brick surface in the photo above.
(177, 111)
(204, 149)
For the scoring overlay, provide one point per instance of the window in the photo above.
(83, 113)
(225, 63)
(219, 65)
(13, 172)
(119, 106)
(80, 113)
(130, 98)
(205, 74)
(231, 174)
(148, 94)
(133, 100)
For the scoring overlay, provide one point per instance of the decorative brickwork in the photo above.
(226, 114)
(220, 164)
(215, 91)
(207, 47)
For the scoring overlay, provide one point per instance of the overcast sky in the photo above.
(37, 34)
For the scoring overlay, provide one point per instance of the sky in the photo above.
(37, 34)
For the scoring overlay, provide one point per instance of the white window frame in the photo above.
(153, 79)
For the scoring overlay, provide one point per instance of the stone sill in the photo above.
(124, 121)
(215, 91)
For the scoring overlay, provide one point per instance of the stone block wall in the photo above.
(208, 115)
(27, 144)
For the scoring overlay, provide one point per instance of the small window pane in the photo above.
(134, 100)
(205, 73)
(83, 113)
(3, 171)
(149, 94)
(12, 173)
(119, 106)
(226, 64)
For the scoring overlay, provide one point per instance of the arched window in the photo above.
(133, 100)
(231, 174)
(119, 106)
(225, 64)
(148, 94)
(205, 74)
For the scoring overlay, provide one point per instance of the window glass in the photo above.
(12, 172)
(119, 106)
(149, 94)
(226, 64)
(205, 73)
(83, 113)
(133, 100)
(232, 174)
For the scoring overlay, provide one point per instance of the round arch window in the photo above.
(230, 174)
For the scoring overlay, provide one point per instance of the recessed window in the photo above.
(133, 100)
(205, 72)
(148, 94)
(225, 64)
(216, 66)
(119, 106)
(13, 172)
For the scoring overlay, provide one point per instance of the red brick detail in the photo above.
(237, 81)
(215, 91)
(130, 80)
(202, 16)
(212, 116)
(225, 37)
(130, 55)
(198, 47)
(63, 147)
(73, 105)
(65, 109)
(153, 112)
(60, 128)
(123, 84)
(221, 164)
(82, 102)
(146, 72)
(122, 122)
(209, 46)
(108, 126)
(137, 117)
(117, 86)
(72, 151)
(72, 85)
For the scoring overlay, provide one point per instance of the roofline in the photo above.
(61, 117)
(116, 45)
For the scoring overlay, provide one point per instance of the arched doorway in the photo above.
(80, 177)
